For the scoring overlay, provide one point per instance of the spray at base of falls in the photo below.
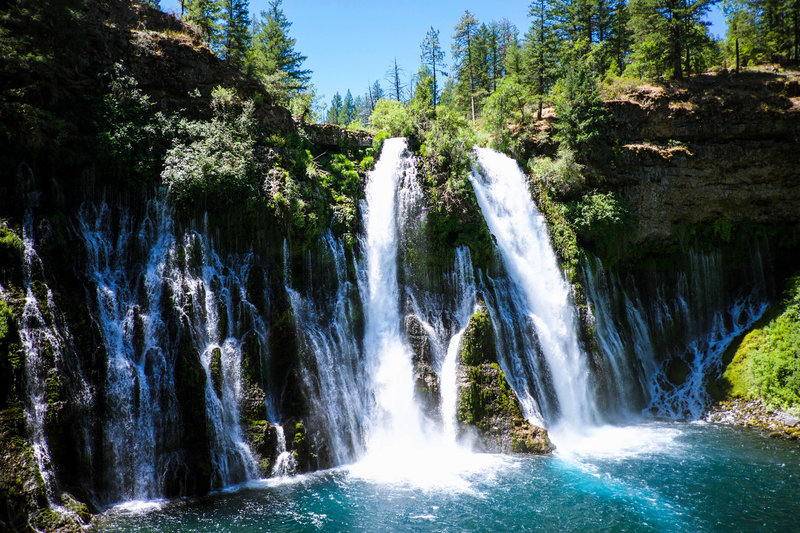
(401, 446)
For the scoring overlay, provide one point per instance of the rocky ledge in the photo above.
(757, 415)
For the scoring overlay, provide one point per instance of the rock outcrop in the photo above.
(426, 382)
(487, 405)
(712, 148)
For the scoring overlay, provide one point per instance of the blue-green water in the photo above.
(654, 477)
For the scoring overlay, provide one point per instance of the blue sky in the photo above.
(352, 43)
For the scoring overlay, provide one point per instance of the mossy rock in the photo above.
(477, 344)
(215, 366)
(487, 403)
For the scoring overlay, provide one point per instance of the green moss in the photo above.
(766, 362)
(10, 254)
(216, 370)
(477, 344)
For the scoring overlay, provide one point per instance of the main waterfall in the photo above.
(537, 303)
(402, 444)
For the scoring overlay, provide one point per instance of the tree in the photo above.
(433, 58)
(462, 54)
(235, 30)
(540, 51)
(374, 93)
(348, 113)
(580, 114)
(203, 14)
(665, 32)
(335, 111)
(396, 86)
(274, 58)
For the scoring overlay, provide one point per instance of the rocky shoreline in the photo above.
(755, 414)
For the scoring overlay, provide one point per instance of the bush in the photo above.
(563, 176)
(392, 117)
(217, 164)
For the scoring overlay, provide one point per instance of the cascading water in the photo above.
(177, 297)
(559, 376)
(401, 445)
(334, 383)
(660, 356)
(398, 423)
(45, 341)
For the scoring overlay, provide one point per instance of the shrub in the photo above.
(217, 163)
(392, 117)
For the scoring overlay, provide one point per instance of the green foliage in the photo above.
(203, 14)
(767, 362)
(669, 36)
(274, 59)
(10, 252)
(581, 116)
(215, 167)
(391, 117)
(766, 31)
(477, 344)
(432, 57)
(132, 137)
(235, 31)
(505, 105)
(563, 176)
(602, 219)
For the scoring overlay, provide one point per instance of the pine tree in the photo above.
(433, 58)
(334, 115)
(348, 114)
(667, 31)
(540, 51)
(235, 30)
(203, 14)
(274, 58)
(462, 49)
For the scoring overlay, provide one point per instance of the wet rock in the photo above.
(487, 406)
(755, 414)
(426, 382)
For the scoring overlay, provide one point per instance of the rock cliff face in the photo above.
(709, 149)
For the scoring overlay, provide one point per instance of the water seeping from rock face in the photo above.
(533, 312)
(50, 375)
(160, 299)
(661, 343)
(334, 383)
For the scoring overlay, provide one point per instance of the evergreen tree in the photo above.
(540, 51)
(274, 58)
(665, 32)
(203, 14)
(433, 58)
(235, 30)
(462, 49)
(335, 111)
(348, 114)
(374, 93)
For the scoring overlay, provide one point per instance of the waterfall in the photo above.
(398, 423)
(334, 382)
(162, 299)
(537, 302)
(662, 339)
(285, 463)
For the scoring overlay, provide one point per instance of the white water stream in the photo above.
(565, 390)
